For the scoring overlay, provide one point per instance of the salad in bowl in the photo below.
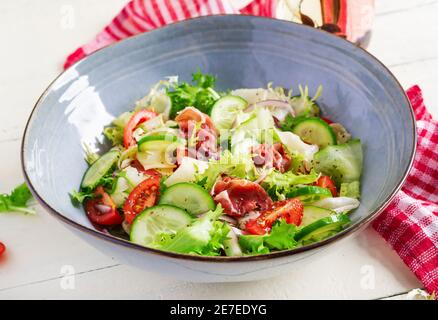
(248, 171)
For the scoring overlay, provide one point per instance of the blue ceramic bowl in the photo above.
(242, 51)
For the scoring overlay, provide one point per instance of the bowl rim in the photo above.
(272, 255)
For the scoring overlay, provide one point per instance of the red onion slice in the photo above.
(249, 216)
(238, 231)
(103, 208)
(228, 219)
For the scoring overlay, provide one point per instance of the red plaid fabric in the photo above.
(410, 223)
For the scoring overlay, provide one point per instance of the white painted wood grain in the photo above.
(36, 37)
(340, 274)
(39, 246)
(406, 36)
(385, 7)
(425, 74)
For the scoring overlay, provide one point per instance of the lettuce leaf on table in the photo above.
(17, 201)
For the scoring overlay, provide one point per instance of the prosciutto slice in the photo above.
(239, 196)
(271, 156)
(195, 124)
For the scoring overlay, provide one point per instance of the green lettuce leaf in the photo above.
(218, 236)
(205, 236)
(114, 133)
(237, 166)
(200, 94)
(78, 197)
(281, 237)
(17, 201)
(278, 184)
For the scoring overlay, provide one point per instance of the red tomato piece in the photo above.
(137, 118)
(143, 196)
(2, 248)
(255, 227)
(271, 156)
(326, 182)
(327, 120)
(102, 210)
(291, 210)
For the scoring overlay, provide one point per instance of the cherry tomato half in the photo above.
(143, 196)
(102, 210)
(291, 210)
(2, 248)
(326, 182)
(137, 118)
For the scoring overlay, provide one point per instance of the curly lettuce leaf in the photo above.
(114, 133)
(200, 94)
(219, 235)
(278, 184)
(205, 236)
(281, 237)
(17, 200)
(78, 197)
(237, 166)
(289, 122)
(90, 155)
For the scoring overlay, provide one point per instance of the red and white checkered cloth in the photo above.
(410, 223)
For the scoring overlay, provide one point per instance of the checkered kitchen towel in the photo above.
(410, 223)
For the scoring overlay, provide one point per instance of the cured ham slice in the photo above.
(239, 196)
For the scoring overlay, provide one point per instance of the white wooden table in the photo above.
(36, 37)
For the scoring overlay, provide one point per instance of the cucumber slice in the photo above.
(158, 220)
(188, 196)
(322, 228)
(343, 163)
(315, 131)
(310, 194)
(157, 151)
(312, 214)
(155, 142)
(99, 168)
(120, 192)
(224, 111)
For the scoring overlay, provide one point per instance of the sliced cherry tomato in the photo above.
(2, 248)
(137, 118)
(291, 210)
(327, 120)
(255, 227)
(143, 196)
(326, 182)
(102, 210)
